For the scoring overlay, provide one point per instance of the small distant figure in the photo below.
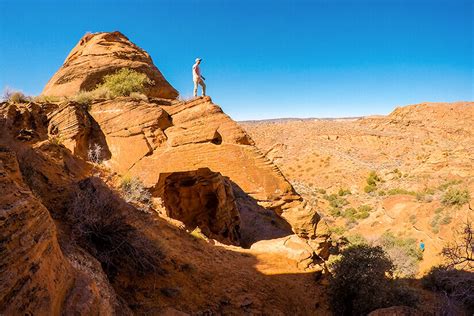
(422, 246)
(198, 78)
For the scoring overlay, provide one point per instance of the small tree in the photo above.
(459, 253)
(362, 282)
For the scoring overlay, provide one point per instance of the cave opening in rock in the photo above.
(203, 198)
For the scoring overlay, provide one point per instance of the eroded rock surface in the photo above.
(28, 283)
(100, 54)
(203, 199)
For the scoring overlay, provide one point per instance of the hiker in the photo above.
(198, 78)
(422, 246)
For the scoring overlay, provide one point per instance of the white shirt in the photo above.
(196, 72)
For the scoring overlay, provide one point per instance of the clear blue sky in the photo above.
(264, 59)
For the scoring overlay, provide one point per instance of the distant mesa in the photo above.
(100, 54)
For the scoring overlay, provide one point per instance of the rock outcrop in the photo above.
(100, 54)
(29, 284)
(149, 139)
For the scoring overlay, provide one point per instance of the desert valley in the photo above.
(117, 201)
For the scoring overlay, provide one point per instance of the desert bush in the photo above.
(448, 184)
(84, 97)
(133, 191)
(373, 178)
(125, 81)
(361, 282)
(370, 188)
(455, 197)
(99, 225)
(343, 192)
(55, 140)
(138, 96)
(456, 285)
(336, 201)
(46, 99)
(403, 252)
(14, 96)
(95, 153)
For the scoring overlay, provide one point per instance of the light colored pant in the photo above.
(203, 86)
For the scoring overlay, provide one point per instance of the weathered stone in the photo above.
(100, 54)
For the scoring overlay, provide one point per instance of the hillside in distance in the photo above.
(420, 154)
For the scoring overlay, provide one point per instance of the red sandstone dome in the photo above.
(99, 54)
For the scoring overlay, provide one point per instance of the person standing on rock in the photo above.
(198, 78)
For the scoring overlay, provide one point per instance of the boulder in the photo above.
(100, 54)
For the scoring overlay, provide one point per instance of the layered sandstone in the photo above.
(148, 139)
(28, 283)
(100, 54)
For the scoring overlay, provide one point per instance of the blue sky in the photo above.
(264, 59)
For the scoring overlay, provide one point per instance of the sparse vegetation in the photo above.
(124, 82)
(95, 153)
(55, 140)
(15, 96)
(134, 191)
(403, 252)
(343, 192)
(448, 184)
(100, 226)
(372, 180)
(361, 282)
(396, 191)
(455, 197)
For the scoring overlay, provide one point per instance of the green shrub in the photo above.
(84, 97)
(448, 184)
(343, 192)
(124, 82)
(336, 201)
(55, 140)
(361, 282)
(373, 178)
(370, 188)
(412, 219)
(455, 197)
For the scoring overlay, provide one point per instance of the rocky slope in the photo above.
(199, 189)
(420, 152)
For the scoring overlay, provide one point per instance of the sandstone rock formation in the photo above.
(29, 284)
(100, 54)
(185, 136)
(201, 164)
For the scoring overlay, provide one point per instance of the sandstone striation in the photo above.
(100, 54)
(185, 136)
(28, 283)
